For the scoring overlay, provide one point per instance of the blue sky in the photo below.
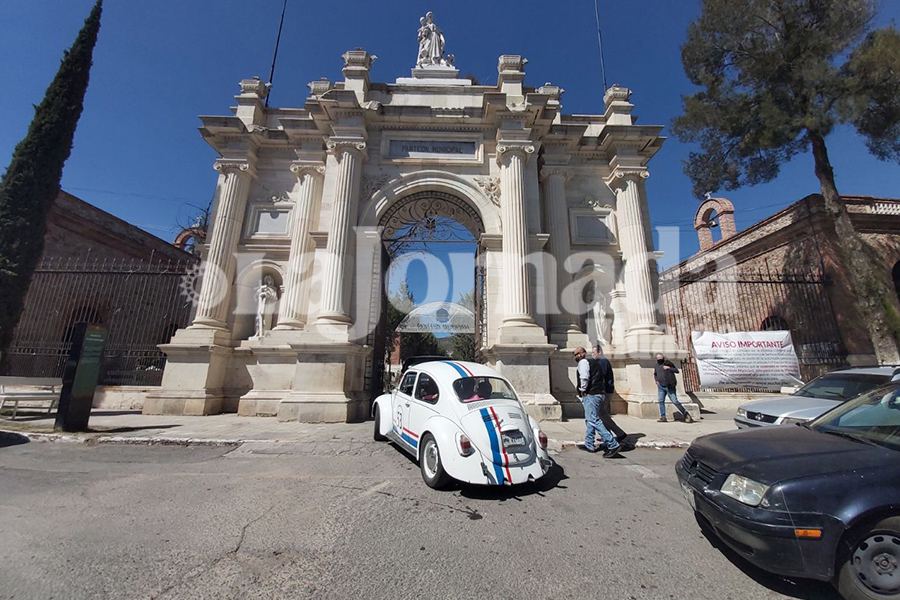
(159, 64)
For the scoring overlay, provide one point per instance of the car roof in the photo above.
(455, 369)
(886, 370)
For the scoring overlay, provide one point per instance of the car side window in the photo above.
(409, 380)
(427, 389)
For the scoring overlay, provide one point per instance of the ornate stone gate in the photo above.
(302, 192)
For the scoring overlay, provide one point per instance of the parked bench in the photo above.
(29, 392)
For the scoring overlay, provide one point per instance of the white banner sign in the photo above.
(760, 359)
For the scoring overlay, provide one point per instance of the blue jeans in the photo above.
(662, 392)
(593, 424)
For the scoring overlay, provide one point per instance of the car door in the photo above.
(423, 405)
(402, 404)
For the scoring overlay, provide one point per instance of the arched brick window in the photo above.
(714, 214)
(774, 323)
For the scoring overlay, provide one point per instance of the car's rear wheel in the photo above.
(430, 464)
(871, 570)
(377, 435)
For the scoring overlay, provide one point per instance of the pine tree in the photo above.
(31, 182)
(777, 76)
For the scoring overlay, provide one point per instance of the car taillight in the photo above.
(465, 445)
(542, 439)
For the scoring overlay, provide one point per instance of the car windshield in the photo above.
(473, 389)
(841, 386)
(872, 418)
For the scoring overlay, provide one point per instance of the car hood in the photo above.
(773, 454)
(798, 407)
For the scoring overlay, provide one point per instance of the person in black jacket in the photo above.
(664, 374)
(590, 390)
(605, 370)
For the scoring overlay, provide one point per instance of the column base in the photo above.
(323, 407)
(194, 377)
(527, 368)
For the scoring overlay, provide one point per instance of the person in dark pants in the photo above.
(664, 374)
(605, 370)
(590, 389)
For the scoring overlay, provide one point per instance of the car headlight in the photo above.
(792, 421)
(742, 412)
(744, 490)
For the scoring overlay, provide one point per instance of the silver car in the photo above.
(813, 399)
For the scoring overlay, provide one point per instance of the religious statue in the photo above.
(601, 321)
(431, 43)
(266, 297)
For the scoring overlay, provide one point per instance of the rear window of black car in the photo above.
(842, 386)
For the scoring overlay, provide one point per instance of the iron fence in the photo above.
(754, 301)
(140, 302)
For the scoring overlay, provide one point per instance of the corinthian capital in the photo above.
(226, 166)
(338, 146)
(620, 176)
(303, 168)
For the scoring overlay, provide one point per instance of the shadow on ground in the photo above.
(128, 429)
(11, 439)
(803, 589)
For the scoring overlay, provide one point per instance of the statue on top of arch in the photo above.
(431, 44)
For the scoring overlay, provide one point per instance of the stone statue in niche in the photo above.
(600, 319)
(266, 300)
(431, 42)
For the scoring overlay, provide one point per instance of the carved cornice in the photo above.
(303, 168)
(620, 176)
(226, 166)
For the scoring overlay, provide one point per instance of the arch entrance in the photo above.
(431, 259)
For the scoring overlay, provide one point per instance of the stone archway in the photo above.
(410, 224)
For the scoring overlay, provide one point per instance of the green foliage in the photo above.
(770, 73)
(31, 181)
(873, 76)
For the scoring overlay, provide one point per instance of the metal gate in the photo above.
(754, 301)
(141, 303)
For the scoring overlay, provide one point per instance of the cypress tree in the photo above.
(31, 182)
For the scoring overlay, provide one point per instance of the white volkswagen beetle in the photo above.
(462, 421)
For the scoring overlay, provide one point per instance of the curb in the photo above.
(559, 445)
(99, 438)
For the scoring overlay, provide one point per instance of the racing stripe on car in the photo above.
(495, 444)
(406, 436)
(463, 372)
(502, 447)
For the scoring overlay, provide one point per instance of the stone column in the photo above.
(215, 293)
(628, 184)
(349, 155)
(516, 303)
(564, 322)
(296, 284)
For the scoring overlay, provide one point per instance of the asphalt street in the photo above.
(337, 520)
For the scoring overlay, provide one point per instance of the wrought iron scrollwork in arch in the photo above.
(427, 217)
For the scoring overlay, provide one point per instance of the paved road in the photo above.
(324, 520)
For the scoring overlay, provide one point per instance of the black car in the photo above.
(820, 500)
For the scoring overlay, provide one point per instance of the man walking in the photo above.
(664, 374)
(590, 387)
(609, 387)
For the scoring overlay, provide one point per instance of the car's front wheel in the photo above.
(871, 570)
(430, 463)
(377, 435)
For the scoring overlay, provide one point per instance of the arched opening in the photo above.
(433, 284)
(895, 275)
(774, 323)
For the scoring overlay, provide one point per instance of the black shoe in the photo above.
(621, 438)
(586, 449)
(612, 453)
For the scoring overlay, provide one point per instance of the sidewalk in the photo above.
(135, 428)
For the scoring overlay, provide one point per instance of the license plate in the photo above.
(513, 438)
(689, 495)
